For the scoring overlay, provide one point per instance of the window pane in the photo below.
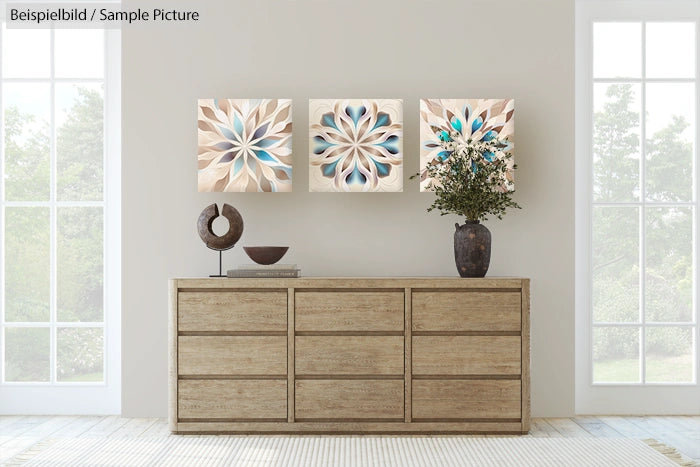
(615, 264)
(26, 109)
(79, 254)
(27, 354)
(26, 53)
(670, 139)
(616, 147)
(79, 142)
(80, 354)
(670, 50)
(617, 50)
(669, 265)
(669, 355)
(615, 355)
(89, 63)
(27, 267)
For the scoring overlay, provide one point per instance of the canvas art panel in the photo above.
(245, 145)
(475, 120)
(356, 145)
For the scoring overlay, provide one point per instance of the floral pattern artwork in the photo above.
(245, 145)
(356, 145)
(473, 120)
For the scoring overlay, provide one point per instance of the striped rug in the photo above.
(347, 451)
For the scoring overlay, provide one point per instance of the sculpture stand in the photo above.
(221, 252)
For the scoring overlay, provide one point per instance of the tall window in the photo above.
(57, 218)
(638, 237)
(643, 202)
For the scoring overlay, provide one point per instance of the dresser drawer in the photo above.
(232, 355)
(349, 399)
(466, 355)
(232, 311)
(349, 311)
(239, 399)
(466, 399)
(349, 355)
(466, 311)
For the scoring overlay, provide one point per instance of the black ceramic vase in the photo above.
(472, 249)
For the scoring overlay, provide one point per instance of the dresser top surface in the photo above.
(354, 282)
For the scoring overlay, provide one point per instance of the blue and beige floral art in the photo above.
(245, 145)
(356, 145)
(462, 122)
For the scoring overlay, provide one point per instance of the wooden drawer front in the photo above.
(466, 311)
(240, 399)
(349, 355)
(349, 399)
(232, 311)
(466, 355)
(455, 399)
(232, 355)
(349, 311)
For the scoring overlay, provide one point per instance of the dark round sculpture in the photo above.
(229, 239)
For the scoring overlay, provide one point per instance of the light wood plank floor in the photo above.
(17, 433)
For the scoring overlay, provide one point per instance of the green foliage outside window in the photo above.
(668, 262)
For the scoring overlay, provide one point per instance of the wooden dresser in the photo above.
(350, 355)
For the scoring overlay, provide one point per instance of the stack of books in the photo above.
(261, 270)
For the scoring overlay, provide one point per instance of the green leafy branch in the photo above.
(472, 180)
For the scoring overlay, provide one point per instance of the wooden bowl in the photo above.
(265, 254)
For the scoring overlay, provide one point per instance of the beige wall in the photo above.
(342, 48)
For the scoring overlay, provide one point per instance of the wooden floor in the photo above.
(17, 433)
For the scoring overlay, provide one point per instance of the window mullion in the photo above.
(53, 315)
(590, 204)
(696, 159)
(640, 80)
(603, 324)
(55, 80)
(642, 211)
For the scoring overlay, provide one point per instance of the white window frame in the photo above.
(622, 398)
(99, 398)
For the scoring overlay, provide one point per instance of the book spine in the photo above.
(254, 273)
(267, 267)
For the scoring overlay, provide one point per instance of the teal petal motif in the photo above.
(382, 169)
(477, 123)
(489, 136)
(227, 133)
(356, 177)
(264, 156)
(329, 169)
(382, 120)
(356, 112)
(237, 166)
(320, 145)
(237, 125)
(329, 121)
(391, 144)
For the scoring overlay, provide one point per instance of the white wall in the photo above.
(336, 48)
